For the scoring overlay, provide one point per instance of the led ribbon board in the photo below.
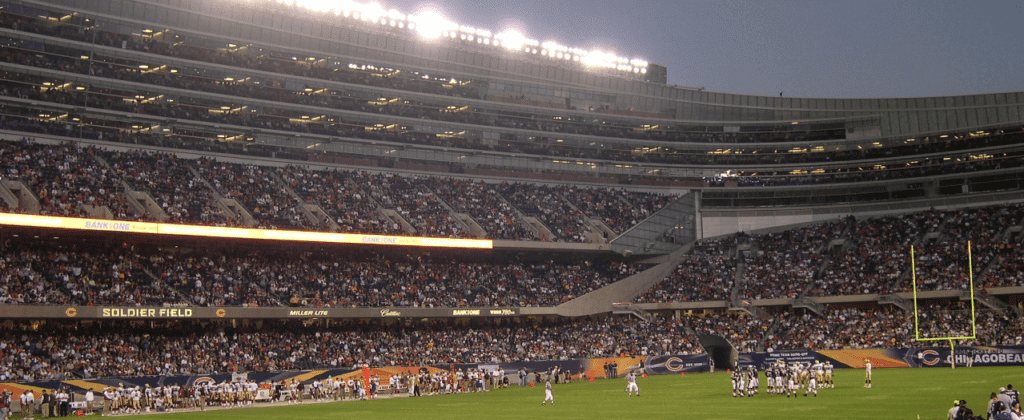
(126, 226)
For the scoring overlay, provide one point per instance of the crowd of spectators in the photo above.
(797, 329)
(417, 205)
(866, 326)
(332, 279)
(495, 214)
(744, 331)
(64, 350)
(873, 257)
(67, 350)
(23, 281)
(260, 190)
(276, 198)
(1007, 268)
(943, 264)
(65, 178)
(342, 196)
(95, 273)
(873, 326)
(565, 222)
(852, 257)
(181, 195)
(785, 264)
(81, 273)
(707, 274)
(616, 208)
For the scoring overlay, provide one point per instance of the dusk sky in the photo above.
(808, 48)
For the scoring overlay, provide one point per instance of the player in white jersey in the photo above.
(828, 376)
(817, 368)
(547, 393)
(867, 373)
(631, 384)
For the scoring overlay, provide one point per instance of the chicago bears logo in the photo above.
(203, 381)
(930, 357)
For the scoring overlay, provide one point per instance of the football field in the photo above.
(896, 394)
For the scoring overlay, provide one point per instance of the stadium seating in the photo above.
(189, 190)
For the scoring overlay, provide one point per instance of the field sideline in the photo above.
(897, 394)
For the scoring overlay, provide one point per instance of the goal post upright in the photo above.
(974, 324)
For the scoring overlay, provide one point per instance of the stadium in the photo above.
(281, 192)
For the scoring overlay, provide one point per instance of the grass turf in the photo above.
(896, 394)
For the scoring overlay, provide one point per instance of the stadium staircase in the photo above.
(988, 300)
(396, 218)
(474, 228)
(809, 304)
(8, 197)
(315, 218)
(663, 232)
(536, 226)
(606, 299)
(741, 267)
(25, 198)
(462, 220)
(628, 308)
(142, 202)
(230, 207)
(743, 249)
(751, 309)
(895, 300)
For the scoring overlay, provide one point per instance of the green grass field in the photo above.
(897, 394)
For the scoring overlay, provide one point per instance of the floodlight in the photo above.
(511, 39)
(317, 5)
(431, 24)
(599, 59)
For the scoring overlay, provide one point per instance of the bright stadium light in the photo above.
(512, 39)
(430, 24)
(599, 59)
(373, 12)
(317, 5)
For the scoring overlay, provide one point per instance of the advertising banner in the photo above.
(673, 365)
(964, 356)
